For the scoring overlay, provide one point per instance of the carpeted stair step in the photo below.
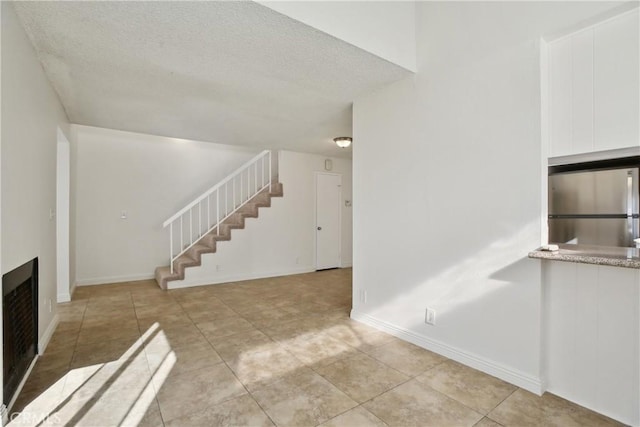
(249, 210)
(186, 260)
(163, 275)
(211, 238)
(234, 222)
(200, 248)
(276, 190)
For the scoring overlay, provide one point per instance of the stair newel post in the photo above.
(190, 226)
(171, 246)
(199, 219)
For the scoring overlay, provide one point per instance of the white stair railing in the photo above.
(218, 203)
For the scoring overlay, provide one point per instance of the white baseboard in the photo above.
(187, 283)
(490, 367)
(64, 298)
(48, 333)
(346, 265)
(112, 279)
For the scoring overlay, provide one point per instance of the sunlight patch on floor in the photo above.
(307, 345)
(115, 393)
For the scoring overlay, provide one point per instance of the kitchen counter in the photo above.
(587, 254)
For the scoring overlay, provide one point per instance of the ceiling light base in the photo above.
(343, 141)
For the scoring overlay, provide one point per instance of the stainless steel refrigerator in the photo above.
(599, 207)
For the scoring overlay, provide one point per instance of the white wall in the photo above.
(446, 165)
(150, 178)
(384, 28)
(31, 114)
(282, 240)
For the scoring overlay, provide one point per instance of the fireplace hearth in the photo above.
(20, 325)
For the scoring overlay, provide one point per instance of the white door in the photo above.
(328, 197)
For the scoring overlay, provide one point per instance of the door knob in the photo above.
(319, 228)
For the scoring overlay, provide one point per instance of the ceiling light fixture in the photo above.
(342, 141)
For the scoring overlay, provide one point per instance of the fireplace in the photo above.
(20, 324)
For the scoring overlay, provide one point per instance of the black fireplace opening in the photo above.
(20, 325)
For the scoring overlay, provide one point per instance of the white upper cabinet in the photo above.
(582, 87)
(616, 73)
(594, 88)
(560, 97)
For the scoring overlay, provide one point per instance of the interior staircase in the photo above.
(208, 242)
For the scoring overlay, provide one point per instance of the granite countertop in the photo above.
(587, 254)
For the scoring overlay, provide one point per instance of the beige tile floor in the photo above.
(277, 351)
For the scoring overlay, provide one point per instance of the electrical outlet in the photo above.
(430, 317)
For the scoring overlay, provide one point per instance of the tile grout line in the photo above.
(75, 345)
(359, 405)
(500, 403)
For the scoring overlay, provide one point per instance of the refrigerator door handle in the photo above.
(632, 222)
(629, 193)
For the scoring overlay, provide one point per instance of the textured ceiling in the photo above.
(227, 72)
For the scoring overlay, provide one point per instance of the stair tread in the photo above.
(201, 246)
(185, 257)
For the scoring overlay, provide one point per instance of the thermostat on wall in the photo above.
(328, 165)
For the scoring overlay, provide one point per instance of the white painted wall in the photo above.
(592, 337)
(282, 240)
(384, 28)
(447, 186)
(31, 115)
(150, 178)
